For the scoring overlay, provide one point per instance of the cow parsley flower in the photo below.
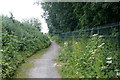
(103, 67)
(118, 74)
(76, 72)
(95, 35)
(116, 70)
(93, 53)
(65, 43)
(109, 58)
(109, 62)
(1, 50)
(101, 45)
(76, 42)
(100, 36)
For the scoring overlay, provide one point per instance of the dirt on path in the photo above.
(44, 67)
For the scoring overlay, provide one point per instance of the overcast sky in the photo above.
(23, 9)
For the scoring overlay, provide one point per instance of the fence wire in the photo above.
(107, 31)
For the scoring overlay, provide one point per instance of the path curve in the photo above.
(44, 66)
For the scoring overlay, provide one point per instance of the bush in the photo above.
(19, 40)
(93, 57)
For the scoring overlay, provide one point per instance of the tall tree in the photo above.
(70, 16)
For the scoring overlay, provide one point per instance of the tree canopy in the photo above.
(70, 16)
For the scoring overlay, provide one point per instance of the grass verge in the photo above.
(23, 69)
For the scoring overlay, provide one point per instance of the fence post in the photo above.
(91, 31)
(119, 35)
(98, 31)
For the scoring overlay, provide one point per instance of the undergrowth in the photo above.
(94, 57)
(19, 41)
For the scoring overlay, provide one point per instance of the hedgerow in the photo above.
(19, 41)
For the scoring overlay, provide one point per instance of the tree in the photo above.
(67, 16)
(35, 22)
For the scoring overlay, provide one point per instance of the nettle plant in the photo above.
(94, 57)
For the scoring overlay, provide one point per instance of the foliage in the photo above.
(19, 40)
(35, 22)
(67, 16)
(94, 57)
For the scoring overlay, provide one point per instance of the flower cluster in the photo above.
(109, 60)
(101, 45)
(65, 44)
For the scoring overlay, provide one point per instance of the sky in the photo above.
(23, 9)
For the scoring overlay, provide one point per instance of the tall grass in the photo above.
(94, 57)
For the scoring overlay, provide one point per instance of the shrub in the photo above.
(93, 57)
(19, 40)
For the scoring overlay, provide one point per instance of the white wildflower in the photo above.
(93, 53)
(109, 58)
(55, 64)
(100, 36)
(101, 45)
(95, 35)
(59, 65)
(76, 72)
(50, 40)
(1, 50)
(90, 58)
(118, 74)
(65, 43)
(116, 70)
(87, 46)
(103, 67)
(76, 42)
(95, 50)
(109, 62)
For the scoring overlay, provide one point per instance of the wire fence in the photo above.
(107, 31)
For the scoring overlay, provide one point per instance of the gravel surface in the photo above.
(44, 67)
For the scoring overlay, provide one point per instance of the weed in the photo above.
(93, 57)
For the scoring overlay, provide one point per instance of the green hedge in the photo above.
(19, 40)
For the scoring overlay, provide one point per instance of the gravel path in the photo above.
(44, 67)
